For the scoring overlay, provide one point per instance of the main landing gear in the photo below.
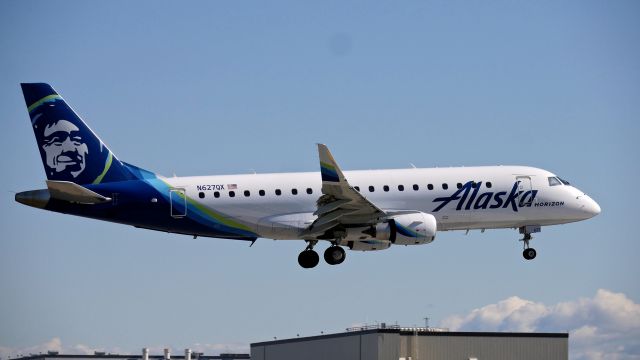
(308, 258)
(334, 255)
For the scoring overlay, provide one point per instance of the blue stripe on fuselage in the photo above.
(132, 205)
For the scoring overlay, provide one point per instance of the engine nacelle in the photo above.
(408, 229)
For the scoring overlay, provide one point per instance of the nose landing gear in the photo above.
(528, 253)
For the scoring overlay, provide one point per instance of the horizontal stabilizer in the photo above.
(68, 191)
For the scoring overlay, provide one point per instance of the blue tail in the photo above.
(70, 151)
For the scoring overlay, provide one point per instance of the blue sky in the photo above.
(212, 87)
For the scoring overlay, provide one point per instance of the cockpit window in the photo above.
(564, 181)
(553, 181)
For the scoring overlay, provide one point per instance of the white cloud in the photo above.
(606, 326)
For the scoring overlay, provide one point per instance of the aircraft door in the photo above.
(178, 201)
(524, 190)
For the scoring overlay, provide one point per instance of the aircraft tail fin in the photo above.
(70, 150)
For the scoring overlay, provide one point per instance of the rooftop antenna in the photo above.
(426, 322)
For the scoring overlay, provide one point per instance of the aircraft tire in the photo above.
(334, 255)
(308, 259)
(529, 253)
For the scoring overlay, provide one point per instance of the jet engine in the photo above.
(407, 229)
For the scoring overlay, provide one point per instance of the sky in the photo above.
(221, 87)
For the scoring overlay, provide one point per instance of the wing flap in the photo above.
(318, 230)
(335, 215)
(329, 207)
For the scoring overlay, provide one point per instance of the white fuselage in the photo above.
(362, 210)
(487, 205)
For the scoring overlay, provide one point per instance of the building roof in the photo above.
(106, 356)
(415, 332)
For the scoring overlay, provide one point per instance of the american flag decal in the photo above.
(232, 186)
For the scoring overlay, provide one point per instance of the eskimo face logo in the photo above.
(64, 147)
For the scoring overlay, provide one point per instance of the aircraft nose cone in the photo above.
(591, 207)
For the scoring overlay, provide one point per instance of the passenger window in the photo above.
(232, 193)
(247, 193)
(309, 191)
(430, 186)
(278, 192)
(385, 188)
(459, 185)
(489, 184)
(371, 188)
(445, 186)
(294, 191)
(416, 187)
(400, 187)
(201, 195)
(261, 192)
(216, 194)
(553, 181)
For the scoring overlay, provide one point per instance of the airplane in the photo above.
(363, 210)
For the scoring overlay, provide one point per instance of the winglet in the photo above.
(339, 200)
(329, 169)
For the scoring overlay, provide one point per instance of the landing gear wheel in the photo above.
(529, 253)
(334, 255)
(308, 259)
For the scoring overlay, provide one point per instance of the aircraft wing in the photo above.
(340, 203)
